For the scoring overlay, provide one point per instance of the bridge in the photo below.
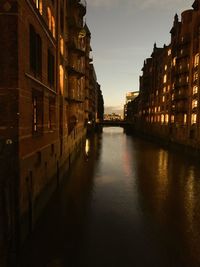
(114, 123)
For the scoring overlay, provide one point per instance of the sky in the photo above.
(123, 33)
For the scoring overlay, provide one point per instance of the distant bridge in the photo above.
(114, 123)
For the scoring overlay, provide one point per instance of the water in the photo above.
(126, 202)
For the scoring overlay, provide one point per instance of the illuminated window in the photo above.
(155, 109)
(172, 97)
(51, 22)
(168, 87)
(174, 61)
(195, 90)
(195, 77)
(165, 78)
(165, 67)
(38, 4)
(180, 67)
(163, 99)
(194, 103)
(159, 109)
(181, 51)
(49, 17)
(196, 60)
(164, 89)
(172, 118)
(162, 118)
(166, 118)
(61, 45)
(53, 26)
(185, 119)
(194, 118)
(187, 79)
(61, 79)
(156, 92)
(169, 52)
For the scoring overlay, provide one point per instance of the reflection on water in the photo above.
(126, 202)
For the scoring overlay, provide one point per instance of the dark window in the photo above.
(51, 72)
(35, 52)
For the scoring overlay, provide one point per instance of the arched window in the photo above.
(53, 26)
(49, 17)
(61, 79)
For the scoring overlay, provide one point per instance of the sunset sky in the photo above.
(123, 34)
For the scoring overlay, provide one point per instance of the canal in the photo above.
(126, 202)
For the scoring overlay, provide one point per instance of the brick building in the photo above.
(42, 107)
(169, 86)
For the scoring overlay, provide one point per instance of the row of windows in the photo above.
(36, 58)
(50, 17)
(164, 119)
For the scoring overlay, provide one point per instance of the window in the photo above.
(61, 79)
(194, 103)
(194, 118)
(172, 118)
(61, 45)
(38, 4)
(51, 22)
(53, 26)
(195, 90)
(169, 52)
(51, 72)
(196, 60)
(165, 78)
(185, 119)
(195, 77)
(49, 17)
(162, 118)
(166, 118)
(35, 52)
(174, 61)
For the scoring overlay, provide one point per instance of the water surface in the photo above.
(126, 202)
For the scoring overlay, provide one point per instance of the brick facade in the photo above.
(42, 107)
(168, 105)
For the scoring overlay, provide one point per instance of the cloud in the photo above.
(140, 4)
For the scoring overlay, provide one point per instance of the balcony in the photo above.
(75, 47)
(75, 71)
